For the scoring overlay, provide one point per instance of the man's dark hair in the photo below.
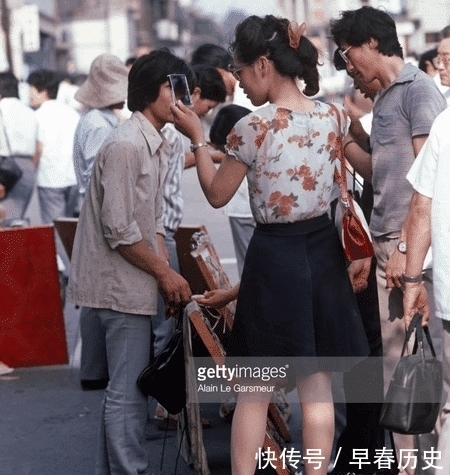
(355, 27)
(224, 121)
(45, 80)
(427, 56)
(212, 55)
(210, 83)
(149, 72)
(9, 85)
(130, 61)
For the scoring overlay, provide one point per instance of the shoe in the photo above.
(93, 384)
(5, 369)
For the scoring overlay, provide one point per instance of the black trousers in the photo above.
(364, 381)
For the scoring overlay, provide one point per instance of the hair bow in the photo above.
(295, 32)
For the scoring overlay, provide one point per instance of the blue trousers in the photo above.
(124, 408)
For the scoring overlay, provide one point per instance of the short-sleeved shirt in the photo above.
(21, 128)
(123, 205)
(406, 109)
(94, 127)
(57, 124)
(291, 159)
(430, 176)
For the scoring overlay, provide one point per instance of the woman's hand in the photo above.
(187, 122)
(218, 298)
(358, 272)
(215, 298)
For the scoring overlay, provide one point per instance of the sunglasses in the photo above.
(343, 54)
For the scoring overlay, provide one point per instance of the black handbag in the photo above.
(10, 173)
(413, 399)
(165, 377)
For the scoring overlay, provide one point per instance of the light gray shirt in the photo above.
(123, 205)
(404, 110)
(93, 129)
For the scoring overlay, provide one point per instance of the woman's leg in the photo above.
(247, 432)
(316, 402)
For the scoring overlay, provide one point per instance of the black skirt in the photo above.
(295, 297)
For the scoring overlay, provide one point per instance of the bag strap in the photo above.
(341, 178)
(416, 324)
(4, 133)
(426, 330)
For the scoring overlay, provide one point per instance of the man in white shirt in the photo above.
(19, 139)
(56, 180)
(428, 223)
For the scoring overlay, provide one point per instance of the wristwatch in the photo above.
(401, 246)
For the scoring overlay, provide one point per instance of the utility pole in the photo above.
(5, 24)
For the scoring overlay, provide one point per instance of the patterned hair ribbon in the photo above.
(295, 32)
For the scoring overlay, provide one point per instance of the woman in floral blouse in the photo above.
(295, 297)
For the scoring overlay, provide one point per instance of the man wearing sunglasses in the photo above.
(404, 110)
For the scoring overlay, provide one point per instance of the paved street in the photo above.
(48, 425)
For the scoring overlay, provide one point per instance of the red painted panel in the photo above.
(32, 329)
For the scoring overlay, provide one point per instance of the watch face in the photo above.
(401, 246)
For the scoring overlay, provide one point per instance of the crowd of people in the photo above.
(118, 160)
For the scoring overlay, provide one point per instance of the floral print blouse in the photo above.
(291, 159)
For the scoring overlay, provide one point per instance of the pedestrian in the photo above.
(103, 92)
(237, 209)
(19, 134)
(120, 261)
(295, 298)
(427, 224)
(207, 92)
(57, 122)
(56, 180)
(442, 63)
(363, 385)
(426, 63)
(404, 110)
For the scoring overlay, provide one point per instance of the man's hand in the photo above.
(395, 268)
(2, 191)
(174, 289)
(415, 299)
(358, 272)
